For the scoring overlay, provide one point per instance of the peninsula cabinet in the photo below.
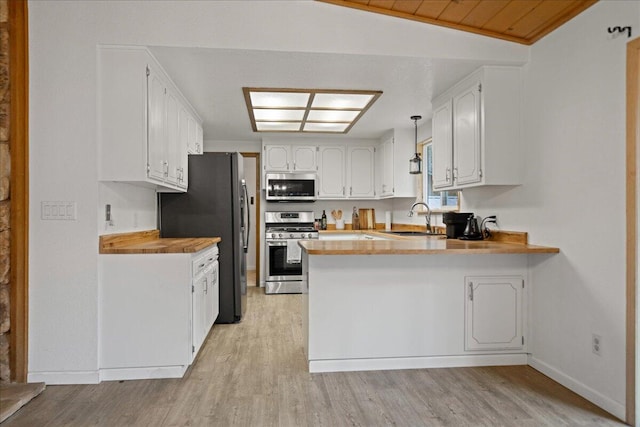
(145, 124)
(477, 130)
(494, 313)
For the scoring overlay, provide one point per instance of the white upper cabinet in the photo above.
(143, 133)
(385, 168)
(331, 172)
(289, 158)
(442, 146)
(477, 130)
(194, 136)
(360, 172)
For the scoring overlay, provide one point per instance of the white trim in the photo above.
(142, 373)
(64, 377)
(617, 409)
(379, 364)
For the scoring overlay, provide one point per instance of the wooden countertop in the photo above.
(419, 246)
(150, 242)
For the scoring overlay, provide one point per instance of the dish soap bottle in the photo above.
(323, 221)
(355, 220)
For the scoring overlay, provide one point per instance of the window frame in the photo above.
(421, 185)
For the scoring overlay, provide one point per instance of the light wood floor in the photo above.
(254, 374)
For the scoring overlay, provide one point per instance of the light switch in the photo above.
(58, 211)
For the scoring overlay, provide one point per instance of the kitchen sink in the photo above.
(416, 233)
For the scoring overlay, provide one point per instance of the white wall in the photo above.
(63, 312)
(573, 198)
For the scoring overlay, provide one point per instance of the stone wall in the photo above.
(5, 202)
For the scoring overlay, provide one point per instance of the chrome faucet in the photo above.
(427, 217)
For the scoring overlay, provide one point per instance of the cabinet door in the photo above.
(191, 134)
(494, 313)
(386, 152)
(276, 158)
(466, 136)
(199, 139)
(183, 131)
(172, 141)
(442, 146)
(304, 158)
(198, 313)
(331, 175)
(156, 161)
(360, 171)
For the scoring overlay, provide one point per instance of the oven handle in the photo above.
(277, 243)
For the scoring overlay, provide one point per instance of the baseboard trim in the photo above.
(64, 378)
(393, 363)
(142, 373)
(616, 409)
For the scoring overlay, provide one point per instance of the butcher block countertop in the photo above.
(150, 242)
(505, 243)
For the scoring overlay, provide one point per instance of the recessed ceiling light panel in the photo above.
(340, 100)
(279, 99)
(262, 114)
(306, 110)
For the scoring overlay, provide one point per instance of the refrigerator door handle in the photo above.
(248, 228)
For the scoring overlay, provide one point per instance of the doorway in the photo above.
(252, 176)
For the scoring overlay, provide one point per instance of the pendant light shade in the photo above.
(415, 163)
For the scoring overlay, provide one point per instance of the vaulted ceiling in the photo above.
(520, 21)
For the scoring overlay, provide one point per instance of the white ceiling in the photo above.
(212, 80)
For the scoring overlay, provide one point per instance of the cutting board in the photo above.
(367, 219)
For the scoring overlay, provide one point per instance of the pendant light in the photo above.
(415, 164)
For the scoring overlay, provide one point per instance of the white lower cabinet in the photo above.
(494, 313)
(155, 312)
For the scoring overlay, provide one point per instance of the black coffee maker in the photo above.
(455, 223)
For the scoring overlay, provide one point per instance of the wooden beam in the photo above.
(19, 146)
(633, 121)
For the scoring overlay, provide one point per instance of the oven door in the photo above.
(278, 269)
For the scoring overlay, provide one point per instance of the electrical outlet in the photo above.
(596, 344)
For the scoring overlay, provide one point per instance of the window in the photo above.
(437, 200)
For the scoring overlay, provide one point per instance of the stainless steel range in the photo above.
(283, 256)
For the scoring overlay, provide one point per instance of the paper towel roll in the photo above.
(387, 220)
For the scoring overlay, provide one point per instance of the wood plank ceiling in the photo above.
(520, 21)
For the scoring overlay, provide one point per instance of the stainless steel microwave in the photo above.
(290, 187)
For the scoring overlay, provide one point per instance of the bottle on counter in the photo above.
(323, 221)
(355, 220)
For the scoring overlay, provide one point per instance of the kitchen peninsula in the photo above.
(416, 303)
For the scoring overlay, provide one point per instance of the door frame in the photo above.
(257, 218)
(19, 184)
(632, 188)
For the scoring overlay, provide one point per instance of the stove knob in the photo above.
(280, 235)
(302, 236)
(291, 235)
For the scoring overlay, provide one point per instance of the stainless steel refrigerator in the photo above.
(215, 205)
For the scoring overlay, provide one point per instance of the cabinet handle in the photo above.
(448, 175)
(206, 285)
(470, 291)
(343, 191)
(294, 165)
(351, 191)
(287, 165)
(455, 174)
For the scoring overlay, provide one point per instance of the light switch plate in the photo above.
(65, 211)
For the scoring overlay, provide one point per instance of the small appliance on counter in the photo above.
(471, 230)
(455, 223)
